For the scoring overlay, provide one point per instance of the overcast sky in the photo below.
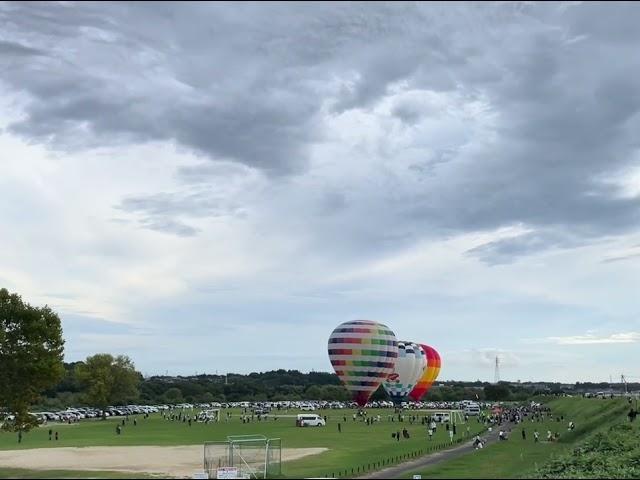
(214, 187)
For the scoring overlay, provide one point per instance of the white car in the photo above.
(310, 420)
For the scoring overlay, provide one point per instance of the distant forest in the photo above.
(291, 385)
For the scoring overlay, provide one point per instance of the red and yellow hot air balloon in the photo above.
(430, 374)
(363, 354)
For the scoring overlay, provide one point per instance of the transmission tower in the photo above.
(496, 375)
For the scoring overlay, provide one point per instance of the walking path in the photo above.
(405, 468)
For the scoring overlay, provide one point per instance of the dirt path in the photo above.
(180, 461)
(404, 469)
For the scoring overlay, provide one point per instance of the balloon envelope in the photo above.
(410, 366)
(363, 353)
(430, 374)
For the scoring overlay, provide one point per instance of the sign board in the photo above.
(228, 472)
(200, 475)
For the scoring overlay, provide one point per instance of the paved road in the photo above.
(406, 468)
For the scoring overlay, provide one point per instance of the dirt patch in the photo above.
(169, 461)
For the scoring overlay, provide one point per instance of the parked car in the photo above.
(310, 420)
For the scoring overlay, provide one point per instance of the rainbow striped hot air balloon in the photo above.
(409, 368)
(363, 353)
(430, 374)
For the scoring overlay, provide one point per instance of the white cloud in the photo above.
(379, 147)
(593, 339)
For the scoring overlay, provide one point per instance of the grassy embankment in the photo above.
(518, 458)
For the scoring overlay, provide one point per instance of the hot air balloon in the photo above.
(430, 374)
(409, 368)
(363, 353)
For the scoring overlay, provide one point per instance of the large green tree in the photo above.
(31, 353)
(174, 395)
(108, 380)
(498, 392)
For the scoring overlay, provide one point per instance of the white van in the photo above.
(441, 417)
(310, 420)
(472, 409)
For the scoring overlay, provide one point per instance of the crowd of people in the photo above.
(505, 418)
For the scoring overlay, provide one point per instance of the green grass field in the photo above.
(517, 458)
(358, 446)
(19, 473)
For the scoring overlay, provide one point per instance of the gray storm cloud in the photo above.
(258, 86)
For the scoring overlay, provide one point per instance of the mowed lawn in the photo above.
(516, 458)
(356, 446)
(19, 473)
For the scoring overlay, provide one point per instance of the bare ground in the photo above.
(180, 461)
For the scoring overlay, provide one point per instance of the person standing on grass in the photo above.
(451, 435)
(339, 427)
(56, 436)
(430, 434)
(536, 435)
(524, 434)
(50, 433)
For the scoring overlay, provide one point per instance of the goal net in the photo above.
(254, 456)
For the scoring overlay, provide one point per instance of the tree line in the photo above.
(85, 383)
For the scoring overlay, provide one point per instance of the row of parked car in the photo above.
(313, 405)
(322, 405)
(80, 413)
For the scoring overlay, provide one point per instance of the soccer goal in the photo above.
(251, 456)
